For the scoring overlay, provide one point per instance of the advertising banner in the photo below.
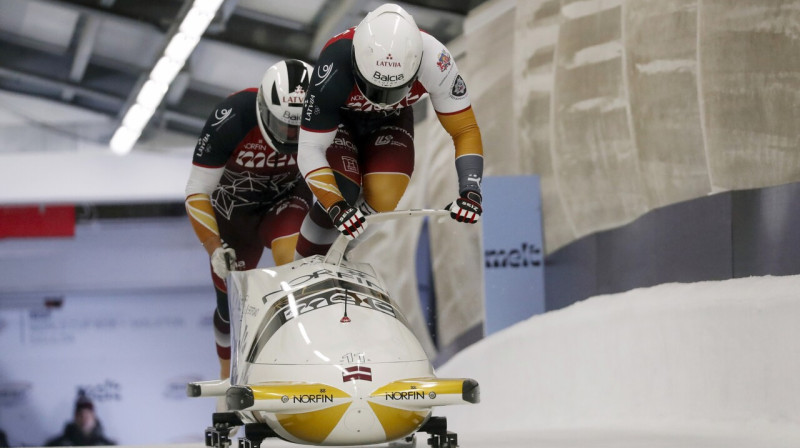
(512, 247)
(132, 355)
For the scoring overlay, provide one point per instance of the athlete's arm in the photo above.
(466, 135)
(225, 127)
(330, 85)
(448, 92)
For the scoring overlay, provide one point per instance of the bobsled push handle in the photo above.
(338, 248)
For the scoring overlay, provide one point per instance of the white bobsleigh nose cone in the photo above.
(360, 419)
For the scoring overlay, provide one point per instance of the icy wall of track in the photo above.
(623, 106)
(674, 357)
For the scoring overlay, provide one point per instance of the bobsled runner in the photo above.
(322, 355)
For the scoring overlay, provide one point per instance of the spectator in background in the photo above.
(3, 439)
(85, 429)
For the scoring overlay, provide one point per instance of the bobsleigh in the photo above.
(322, 355)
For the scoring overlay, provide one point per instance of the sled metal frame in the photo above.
(338, 249)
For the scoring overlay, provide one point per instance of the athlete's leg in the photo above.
(387, 162)
(280, 226)
(317, 232)
(240, 233)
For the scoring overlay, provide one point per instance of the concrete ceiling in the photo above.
(92, 55)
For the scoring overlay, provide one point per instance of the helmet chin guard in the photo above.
(279, 103)
(387, 51)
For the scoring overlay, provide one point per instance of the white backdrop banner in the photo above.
(512, 248)
(133, 355)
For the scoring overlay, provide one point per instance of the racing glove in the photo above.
(466, 208)
(223, 261)
(347, 219)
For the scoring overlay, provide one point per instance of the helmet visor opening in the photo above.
(381, 96)
(278, 129)
(281, 131)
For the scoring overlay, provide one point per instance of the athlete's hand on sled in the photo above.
(347, 219)
(223, 260)
(466, 208)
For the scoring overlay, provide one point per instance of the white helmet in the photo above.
(280, 103)
(387, 50)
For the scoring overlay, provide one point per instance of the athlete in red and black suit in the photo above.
(364, 82)
(245, 191)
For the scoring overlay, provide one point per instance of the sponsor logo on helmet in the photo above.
(387, 78)
(459, 88)
(290, 117)
(443, 61)
(296, 98)
(388, 62)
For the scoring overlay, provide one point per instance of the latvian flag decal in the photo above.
(357, 373)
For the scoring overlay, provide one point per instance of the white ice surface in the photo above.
(703, 365)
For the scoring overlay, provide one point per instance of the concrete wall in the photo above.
(735, 234)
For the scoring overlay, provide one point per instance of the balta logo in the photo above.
(527, 255)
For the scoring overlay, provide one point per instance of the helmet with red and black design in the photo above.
(387, 51)
(280, 103)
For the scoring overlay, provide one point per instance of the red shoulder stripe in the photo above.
(347, 34)
(318, 131)
(249, 89)
(206, 166)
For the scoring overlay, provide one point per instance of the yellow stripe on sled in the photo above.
(314, 426)
(416, 386)
(396, 422)
(277, 391)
